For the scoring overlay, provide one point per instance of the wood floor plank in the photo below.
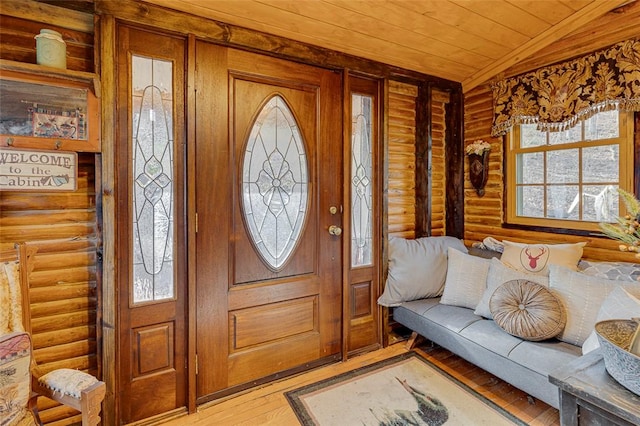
(267, 405)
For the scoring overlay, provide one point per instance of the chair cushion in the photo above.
(67, 381)
(15, 379)
(527, 310)
(11, 297)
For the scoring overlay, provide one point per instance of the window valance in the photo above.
(557, 97)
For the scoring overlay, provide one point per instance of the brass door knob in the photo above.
(335, 230)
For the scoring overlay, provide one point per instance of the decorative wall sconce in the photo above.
(478, 154)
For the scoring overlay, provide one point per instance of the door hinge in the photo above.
(196, 364)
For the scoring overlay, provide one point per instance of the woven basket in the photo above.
(615, 337)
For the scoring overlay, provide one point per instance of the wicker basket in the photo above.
(615, 337)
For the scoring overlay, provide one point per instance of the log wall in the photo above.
(438, 163)
(61, 225)
(402, 159)
(401, 107)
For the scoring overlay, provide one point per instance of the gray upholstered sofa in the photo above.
(526, 364)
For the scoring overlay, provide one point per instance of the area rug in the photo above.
(403, 390)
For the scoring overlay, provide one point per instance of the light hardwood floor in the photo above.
(267, 405)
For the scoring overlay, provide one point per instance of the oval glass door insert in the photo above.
(275, 183)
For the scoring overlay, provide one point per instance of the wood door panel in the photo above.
(267, 323)
(265, 293)
(268, 359)
(152, 349)
(164, 395)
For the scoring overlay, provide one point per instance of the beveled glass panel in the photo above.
(361, 180)
(152, 185)
(275, 183)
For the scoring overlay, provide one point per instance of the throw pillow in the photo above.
(535, 258)
(500, 273)
(466, 278)
(417, 268)
(527, 310)
(582, 295)
(619, 271)
(619, 304)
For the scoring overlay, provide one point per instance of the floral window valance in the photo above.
(559, 96)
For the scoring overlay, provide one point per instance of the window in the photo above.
(569, 179)
(361, 179)
(152, 186)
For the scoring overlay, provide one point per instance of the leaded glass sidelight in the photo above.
(152, 179)
(361, 180)
(275, 183)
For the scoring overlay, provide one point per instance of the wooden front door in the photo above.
(268, 181)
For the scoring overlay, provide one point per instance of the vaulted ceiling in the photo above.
(468, 41)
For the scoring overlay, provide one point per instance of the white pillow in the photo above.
(499, 273)
(582, 295)
(466, 279)
(619, 304)
(417, 268)
(535, 258)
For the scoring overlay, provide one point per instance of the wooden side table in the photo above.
(589, 396)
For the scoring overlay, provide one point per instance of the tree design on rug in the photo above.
(431, 412)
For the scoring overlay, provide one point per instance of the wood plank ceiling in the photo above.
(468, 41)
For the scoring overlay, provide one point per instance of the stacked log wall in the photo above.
(61, 225)
(402, 159)
(438, 163)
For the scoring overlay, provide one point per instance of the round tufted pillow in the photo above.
(527, 310)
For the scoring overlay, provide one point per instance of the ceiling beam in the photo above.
(582, 17)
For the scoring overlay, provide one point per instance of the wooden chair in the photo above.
(72, 388)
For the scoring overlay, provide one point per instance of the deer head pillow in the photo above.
(535, 258)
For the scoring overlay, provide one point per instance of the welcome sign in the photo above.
(29, 170)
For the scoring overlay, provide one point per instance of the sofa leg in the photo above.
(413, 340)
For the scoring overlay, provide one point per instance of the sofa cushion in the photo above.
(535, 258)
(582, 295)
(491, 337)
(619, 304)
(527, 310)
(466, 278)
(499, 273)
(453, 318)
(417, 268)
(544, 357)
